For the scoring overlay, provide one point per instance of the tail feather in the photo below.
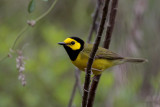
(135, 60)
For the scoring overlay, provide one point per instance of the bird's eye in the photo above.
(72, 43)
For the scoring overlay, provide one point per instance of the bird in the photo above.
(79, 53)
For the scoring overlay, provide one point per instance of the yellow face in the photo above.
(73, 44)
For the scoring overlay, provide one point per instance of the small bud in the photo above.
(31, 22)
(9, 55)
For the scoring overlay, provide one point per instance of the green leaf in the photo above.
(44, 0)
(31, 6)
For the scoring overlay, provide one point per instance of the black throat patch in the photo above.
(72, 53)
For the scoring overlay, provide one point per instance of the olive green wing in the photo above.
(101, 53)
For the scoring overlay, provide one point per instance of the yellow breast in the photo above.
(98, 66)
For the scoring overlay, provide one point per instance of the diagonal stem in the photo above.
(93, 89)
(110, 25)
(93, 52)
(96, 79)
(77, 84)
(95, 17)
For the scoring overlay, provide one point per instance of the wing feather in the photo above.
(101, 53)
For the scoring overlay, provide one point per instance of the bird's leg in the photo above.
(97, 69)
(94, 77)
(91, 71)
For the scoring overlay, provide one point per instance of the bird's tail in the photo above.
(134, 60)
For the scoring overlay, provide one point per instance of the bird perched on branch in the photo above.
(79, 53)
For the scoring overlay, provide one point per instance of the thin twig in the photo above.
(48, 11)
(95, 17)
(93, 52)
(19, 35)
(77, 75)
(76, 84)
(17, 38)
(30, 23)
(73, 94)
(96, 79)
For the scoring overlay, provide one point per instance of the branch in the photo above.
(48, 11)
(93, 52)
(76, 84)
(19, 35)
(96, 79)
(110, 25)
(30, 23)
(77, 75)
(95, 17)
(93, 89)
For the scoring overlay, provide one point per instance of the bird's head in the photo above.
(74, 43)
(73, 46)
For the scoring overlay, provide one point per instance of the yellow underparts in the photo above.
(99, 65)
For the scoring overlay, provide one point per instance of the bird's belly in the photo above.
(98, 66)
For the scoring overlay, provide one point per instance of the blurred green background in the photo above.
(49, 72)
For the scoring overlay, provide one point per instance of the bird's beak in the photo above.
(62, 43)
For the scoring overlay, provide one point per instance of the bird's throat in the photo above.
(73, 54)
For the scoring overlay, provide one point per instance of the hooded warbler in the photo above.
(79, 52)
